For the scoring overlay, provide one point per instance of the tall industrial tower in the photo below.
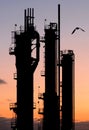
(59, 95)
(51, 100)
(67, 64)
(51, 111)
(26, 51)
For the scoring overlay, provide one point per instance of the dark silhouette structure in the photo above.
(26, 51)
(51, 100)
(67, 63)
(58, 111)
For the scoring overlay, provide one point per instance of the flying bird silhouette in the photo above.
(77, 28)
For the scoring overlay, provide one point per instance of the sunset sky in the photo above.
(73, 13)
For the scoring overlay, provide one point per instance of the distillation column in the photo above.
(26, 51)
(67, 63)
(51, 100)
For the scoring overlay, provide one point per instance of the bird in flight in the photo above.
(77, 28)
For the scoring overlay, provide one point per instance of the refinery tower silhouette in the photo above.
(58, 98)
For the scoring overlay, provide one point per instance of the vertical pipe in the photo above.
(27, 11)
(59, 48)
(25, 20)
(33, 16)
(58, 73)
(30, 16)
